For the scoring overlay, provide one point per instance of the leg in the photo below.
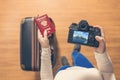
(63, 68)
(65, 64)
(80, 60)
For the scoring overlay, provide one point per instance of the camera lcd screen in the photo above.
(80, 37)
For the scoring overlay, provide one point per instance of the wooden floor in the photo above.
(98, 12)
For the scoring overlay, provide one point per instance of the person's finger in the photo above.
(45, 34)
(101, 29)
(102, 45)
(102, 33)
(98, 38)
(39, 35)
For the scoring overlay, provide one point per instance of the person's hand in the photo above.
(43, 39)
(102, 45)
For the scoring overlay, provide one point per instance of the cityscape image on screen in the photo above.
(80, 37)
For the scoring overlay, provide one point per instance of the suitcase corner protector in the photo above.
(22, 66)
(23, 21)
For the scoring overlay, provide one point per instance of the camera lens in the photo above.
(83, 25)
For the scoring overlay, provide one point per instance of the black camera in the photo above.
(83, 33)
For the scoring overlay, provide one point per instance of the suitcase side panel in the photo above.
(37, 50)
(26, 44)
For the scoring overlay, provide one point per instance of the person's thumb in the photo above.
(98, 38)
(45, 34)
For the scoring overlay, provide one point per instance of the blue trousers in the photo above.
(78, 60)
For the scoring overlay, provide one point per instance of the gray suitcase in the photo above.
(30, 48)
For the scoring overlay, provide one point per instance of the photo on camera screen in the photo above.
(80, 37)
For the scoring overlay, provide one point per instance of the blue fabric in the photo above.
(63, 68)
(80, 60)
